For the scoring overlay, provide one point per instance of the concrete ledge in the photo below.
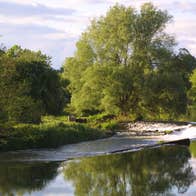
(183, 142)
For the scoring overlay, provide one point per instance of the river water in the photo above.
(88, 168)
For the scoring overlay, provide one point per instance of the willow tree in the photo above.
(115, 59)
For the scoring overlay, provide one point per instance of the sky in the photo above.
(54, 26)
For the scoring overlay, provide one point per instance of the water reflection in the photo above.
(25, 177)
(158, 171)
(193, 149)
(149, 172)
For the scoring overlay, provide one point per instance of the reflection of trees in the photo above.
(147, 172)
(22, 177)
(193, 148)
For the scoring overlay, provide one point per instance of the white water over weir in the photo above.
(188, 132)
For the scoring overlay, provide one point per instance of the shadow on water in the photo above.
(157, 171)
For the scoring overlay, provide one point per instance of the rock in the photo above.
(151, 128)
(71, 118)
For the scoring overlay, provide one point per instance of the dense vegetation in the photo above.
(125, 66)
(29, 86)
(47, 135)
(192, 98)
(125, 63)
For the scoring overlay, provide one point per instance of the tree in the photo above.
(29, 86)
(192, 97)
(15, 103)
(168, 85)
(125, 63)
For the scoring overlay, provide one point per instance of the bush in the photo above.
(111, 125)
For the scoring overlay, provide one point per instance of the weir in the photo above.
(189, 132)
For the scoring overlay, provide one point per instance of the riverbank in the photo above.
(57, 131)
(47, 135)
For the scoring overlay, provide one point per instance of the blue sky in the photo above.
(54, 26)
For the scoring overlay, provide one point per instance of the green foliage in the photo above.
(3, 116)
(193, 88)
(29, 87)
(23, 136)
(103, 121)
(192, 97)
(15, 102)
(111, 125)
(125, 64)
(24, 109)
(101, 117)
(44, 83)
(55, 119)
(168, 132)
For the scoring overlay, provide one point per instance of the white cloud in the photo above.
(62, 30)
(26, 2)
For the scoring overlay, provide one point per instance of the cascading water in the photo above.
(188, 132)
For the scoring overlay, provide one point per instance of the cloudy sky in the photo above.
(54, 26)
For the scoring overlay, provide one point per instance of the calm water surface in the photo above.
(167, 170)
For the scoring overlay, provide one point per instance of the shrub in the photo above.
(110, 125)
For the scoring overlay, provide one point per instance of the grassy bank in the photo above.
(57, 131)
(47, 135)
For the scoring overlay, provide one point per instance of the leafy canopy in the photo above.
(29, 87)
(125, 63)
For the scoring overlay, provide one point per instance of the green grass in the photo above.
(103, 121)
(51, 133)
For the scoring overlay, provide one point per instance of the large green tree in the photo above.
(168, 85)
(125, 62)
(29, 86)
(192, 97)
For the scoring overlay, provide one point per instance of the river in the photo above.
(88, 168)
